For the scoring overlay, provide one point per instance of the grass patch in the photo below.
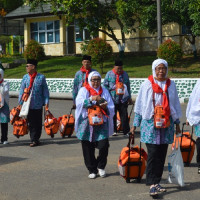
(135, 66)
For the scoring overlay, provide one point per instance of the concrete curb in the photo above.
(53, 95)
(68, 96)
(57, 95)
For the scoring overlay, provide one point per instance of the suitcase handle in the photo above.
(131, 139)
(183, 130)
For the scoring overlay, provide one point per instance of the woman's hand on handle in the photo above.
(133, 130)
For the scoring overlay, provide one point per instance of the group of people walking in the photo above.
(157, 110)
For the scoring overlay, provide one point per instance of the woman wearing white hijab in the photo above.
(4, 108)
(193, 117)
(94, 136)
(158, 90)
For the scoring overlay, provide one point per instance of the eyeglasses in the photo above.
(95, 80)
(161, 69)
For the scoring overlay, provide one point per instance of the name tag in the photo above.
(120, 91)
(96, 120)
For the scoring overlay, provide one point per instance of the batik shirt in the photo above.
(151, 135)
(79, 79)
(109, 84)
(40, 95)
(100, 132)
(197, 130)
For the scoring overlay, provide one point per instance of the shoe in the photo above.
(5, 142)
(159, 188)
(198, 169)
(102, 173)
(33, 144)
(114, 134)
(92, 176)
(153, 191)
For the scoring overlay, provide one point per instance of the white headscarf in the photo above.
(144, 102)
(94, 73)
(193, 107)
(158, 62)
(4, 89)
(84, 94)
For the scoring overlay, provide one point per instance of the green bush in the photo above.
(34, 51)
(99, 49)
(170, 51)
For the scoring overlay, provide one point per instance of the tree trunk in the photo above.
(121, 51)
(192, 42)
(101, 67)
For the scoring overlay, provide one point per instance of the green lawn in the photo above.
(136, 66)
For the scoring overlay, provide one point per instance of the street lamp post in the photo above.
(159, 23)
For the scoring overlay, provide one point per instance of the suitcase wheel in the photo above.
(69, 135)
(128, 180)
(138, 180)
(186, 164)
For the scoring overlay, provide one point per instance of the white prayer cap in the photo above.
(158, 62)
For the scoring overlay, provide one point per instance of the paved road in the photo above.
(55, 170)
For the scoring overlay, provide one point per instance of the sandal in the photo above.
(33, 144)
(159, 188)
(153, 191)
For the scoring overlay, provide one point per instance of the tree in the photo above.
(97, 15)
(9, 5)
(99, 49)
(183, 12)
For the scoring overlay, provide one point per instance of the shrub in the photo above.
(34, 51)
(170, 51)
(99, 49)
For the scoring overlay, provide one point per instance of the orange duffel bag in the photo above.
(160, 120)
(119, 88)
(51, 124)
(25, 94)
(14, 114)
(20, 127)
(95, 115)
(66, 126)
(187, 146)
(132, 162)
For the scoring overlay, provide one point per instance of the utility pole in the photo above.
(159, 22)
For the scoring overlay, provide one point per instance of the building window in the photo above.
(46, 32)
(185, 30)
(81, 35)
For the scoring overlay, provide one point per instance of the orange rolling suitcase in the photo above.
(187, 145)
(66, 126)
(132, 161)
